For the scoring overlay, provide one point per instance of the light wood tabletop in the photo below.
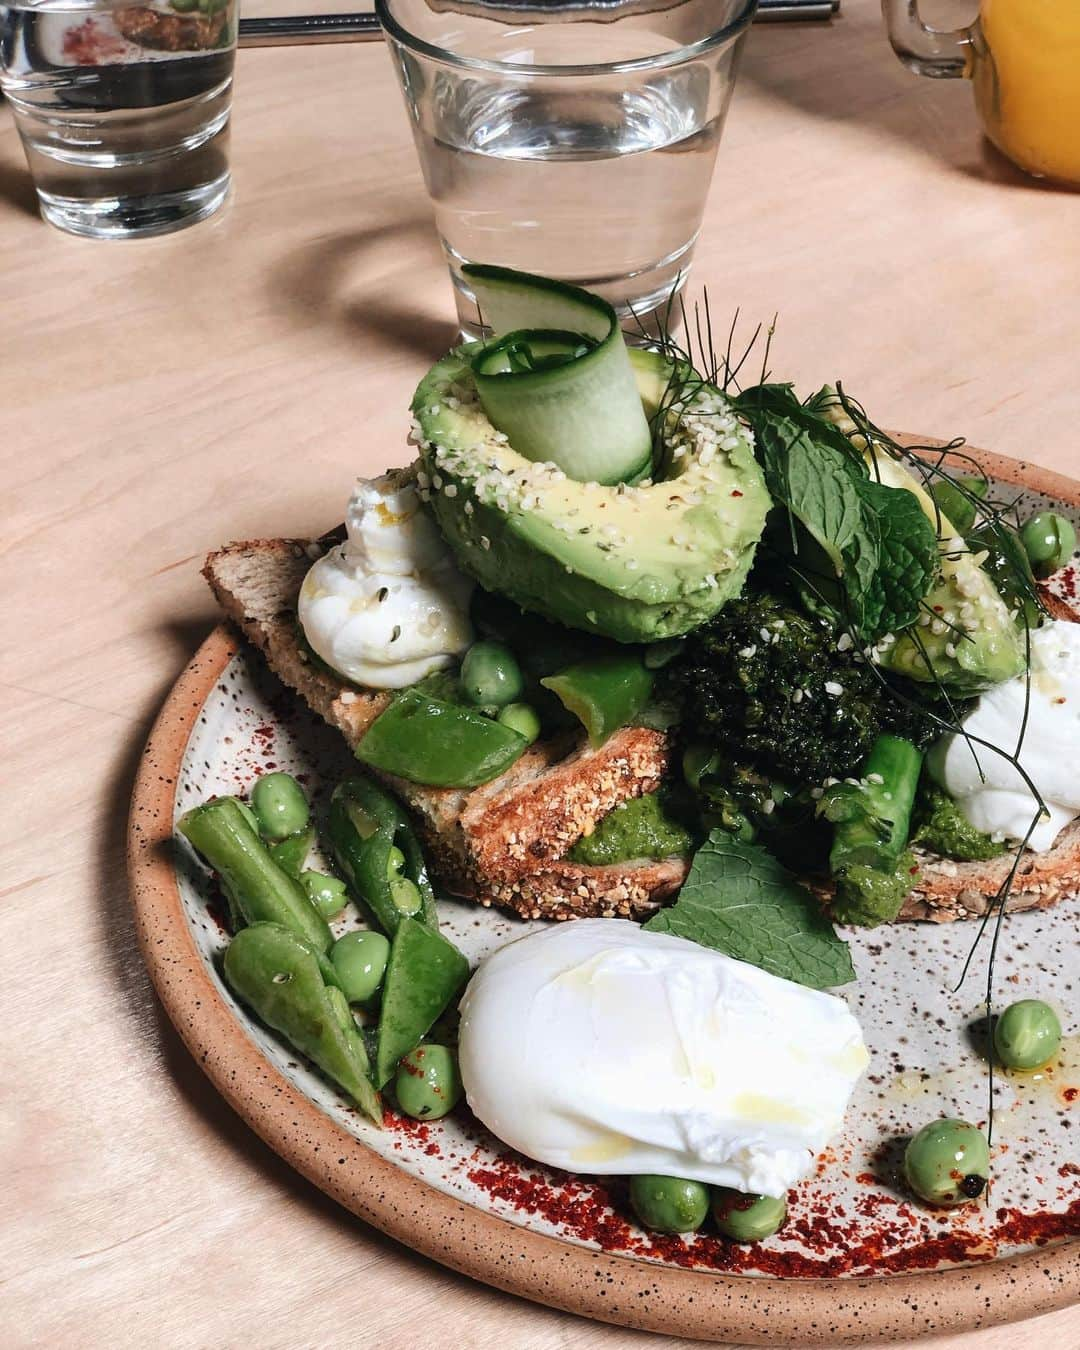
(228, 382)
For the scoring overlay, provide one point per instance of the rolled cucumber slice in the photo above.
(556, 380)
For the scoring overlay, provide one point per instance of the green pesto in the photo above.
(867, 896)
(638, 828)
(943, 828)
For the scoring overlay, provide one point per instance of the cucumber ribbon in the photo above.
(556, 379)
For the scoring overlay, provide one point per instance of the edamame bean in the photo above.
(522, 718)
(280, 805)
(428, 1084)
(1049, 540)
(747, 1218)
(359, 959)
(490, 675)
(327, 894)
(947, 1163)
(669, 1204)
(1027, 1034)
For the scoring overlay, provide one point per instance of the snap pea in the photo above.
(255, 884)
(283, 978)
(291, 853)
(956, 504)
(426, 740)
(424, 973)
(327, 894)
(280, 806)
(368, 830)
(428, 1084)
(605, 692)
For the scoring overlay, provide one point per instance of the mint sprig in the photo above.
(740, 901)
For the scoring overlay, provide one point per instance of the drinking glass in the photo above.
(576, 140)
(1023, 58)
(123, 109)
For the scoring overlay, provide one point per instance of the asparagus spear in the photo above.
(869, 860)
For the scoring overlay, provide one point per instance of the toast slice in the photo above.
(500, 843)
(505, 843)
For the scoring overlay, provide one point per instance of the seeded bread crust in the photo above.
(504, 843)
(498, 843)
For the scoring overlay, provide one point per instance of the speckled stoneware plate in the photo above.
(856, 1261)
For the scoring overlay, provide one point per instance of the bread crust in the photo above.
(505, 843)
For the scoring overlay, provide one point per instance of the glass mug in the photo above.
(1023, 58)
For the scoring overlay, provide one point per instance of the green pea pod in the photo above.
(291, 853)
(604, 693)
(426, 740)
(1009, 569)
(256, 886)
(282, 978)
(424, 973)
(365, 825)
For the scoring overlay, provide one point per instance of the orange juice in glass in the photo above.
(1023, 58)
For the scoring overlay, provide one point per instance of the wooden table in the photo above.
(229, 381)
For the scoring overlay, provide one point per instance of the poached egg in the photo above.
(389, 605)
(989, 790)
(597, 1046)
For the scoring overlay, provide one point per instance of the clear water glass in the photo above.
(572, 139)
(123, 109)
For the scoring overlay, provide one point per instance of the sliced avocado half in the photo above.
(635, 563)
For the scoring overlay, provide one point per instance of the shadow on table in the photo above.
(17, 187)
(353, 281)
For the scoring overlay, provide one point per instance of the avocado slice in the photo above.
(988, 648)
(635, 563)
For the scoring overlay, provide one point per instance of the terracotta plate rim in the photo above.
(613, 1288)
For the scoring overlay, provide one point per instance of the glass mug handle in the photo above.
(928, 51)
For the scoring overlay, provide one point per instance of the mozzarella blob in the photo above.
(389, 605)
(989, 790)
(596, 1046)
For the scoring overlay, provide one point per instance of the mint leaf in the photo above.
(740, 901)
(908, 560)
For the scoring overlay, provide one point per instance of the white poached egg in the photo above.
(389, 605)
(597, 1046)
(988, 788)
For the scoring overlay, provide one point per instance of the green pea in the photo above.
(1027, 1034)
(395, 862)
(669, 1204)
(1049, 540)
(747, 1218)
(360, 958)
(490, 675)
(522, 718)
(428, 1084)
(280, 805)
(405, 895)
(947, 1163)
(327, 894)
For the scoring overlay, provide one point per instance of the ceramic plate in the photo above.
(857, 1260)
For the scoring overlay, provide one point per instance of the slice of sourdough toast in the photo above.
(505, 843)
(500, 843)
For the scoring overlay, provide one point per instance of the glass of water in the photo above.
(123, 109)
(575, 138)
